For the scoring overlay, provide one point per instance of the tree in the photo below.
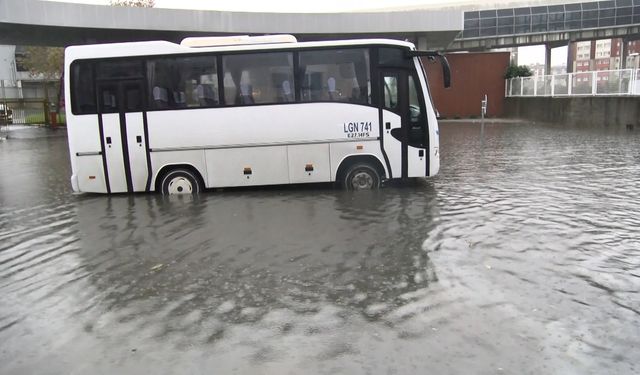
(46, 62)
(133, 3)
(517, 71)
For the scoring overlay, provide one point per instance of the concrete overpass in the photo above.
(35, 22)
(554, 22)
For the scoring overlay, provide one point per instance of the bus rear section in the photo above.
(157, 116)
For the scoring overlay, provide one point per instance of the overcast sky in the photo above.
(535, 54)
(527, 55)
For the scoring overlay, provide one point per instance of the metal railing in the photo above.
(29, 103)
(621, 82)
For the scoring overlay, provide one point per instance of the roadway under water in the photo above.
(521, 257)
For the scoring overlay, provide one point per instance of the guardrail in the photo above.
(621, 82)
(29, 104)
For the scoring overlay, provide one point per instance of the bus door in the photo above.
(123, 135)
(404, 123)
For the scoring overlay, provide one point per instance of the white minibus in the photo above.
(240, 111)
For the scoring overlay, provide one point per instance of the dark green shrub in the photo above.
(517, 71)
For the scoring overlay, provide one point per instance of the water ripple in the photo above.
(522, 256)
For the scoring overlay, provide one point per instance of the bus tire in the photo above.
(180, 181)
(361, 176)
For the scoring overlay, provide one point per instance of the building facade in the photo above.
(473, 75)
(16, 82)
(633, 54)
(604, 54)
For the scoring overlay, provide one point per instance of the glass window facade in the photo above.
(539, 19)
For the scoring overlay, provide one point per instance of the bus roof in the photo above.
(93, 51)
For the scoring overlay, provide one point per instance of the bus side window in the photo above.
(257, 78)
(183, 82)
(83, 98)
(335, 75)
(198, 83)
(159, 80)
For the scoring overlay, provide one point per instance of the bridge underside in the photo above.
(37, 22)
(64, 36)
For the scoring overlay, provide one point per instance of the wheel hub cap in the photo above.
(180, 185)
(362, 181)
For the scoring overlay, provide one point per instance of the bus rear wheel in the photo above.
(361, 177)
(180, 181)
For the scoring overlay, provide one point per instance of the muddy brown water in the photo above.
(521, 257)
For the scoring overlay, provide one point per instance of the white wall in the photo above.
(7, 65)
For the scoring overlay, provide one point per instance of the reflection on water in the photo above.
(520, 257)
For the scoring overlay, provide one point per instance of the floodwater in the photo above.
(521, 257)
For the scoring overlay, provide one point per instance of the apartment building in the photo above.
(604, 54)
(582, 56)
(633, 54)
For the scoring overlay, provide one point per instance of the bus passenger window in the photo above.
(258, 78)
(198, 86)
(336, 75)
(183, 82)
(83, 95)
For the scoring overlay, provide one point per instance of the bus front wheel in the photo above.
(361, 177)
(180, 181)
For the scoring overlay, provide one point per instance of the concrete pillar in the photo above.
(570, 53)
(624, 52)
(547, 59)
(422, 43)
(513, 58)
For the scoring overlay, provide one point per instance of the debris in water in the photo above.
(157, 267)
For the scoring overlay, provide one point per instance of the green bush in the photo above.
(517, 71)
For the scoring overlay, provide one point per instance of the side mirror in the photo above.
(432, 55)
(446, 70)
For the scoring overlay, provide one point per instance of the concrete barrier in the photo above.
(623, 112)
